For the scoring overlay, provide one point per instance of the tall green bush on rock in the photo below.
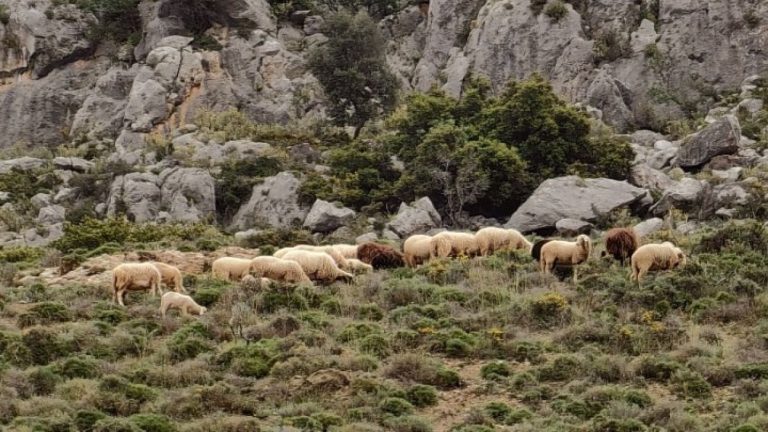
(352, 69)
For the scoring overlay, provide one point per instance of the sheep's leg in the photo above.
(163, 309)
(184, 311)
(575, 274)
(121, 297)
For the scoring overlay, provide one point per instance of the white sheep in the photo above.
(230, 268)
(346, 250)
(170, 276)
(452, 243)
(134, 277)
(655, 256)
(184, 303)
(341, 262)
(358, 267)
(417, 249)
(317, 265)
(559, 252)
(278, 269)
(493, 239)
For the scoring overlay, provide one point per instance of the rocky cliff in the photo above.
(640, 63)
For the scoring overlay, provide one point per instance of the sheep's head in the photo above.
(203, 310)
(681, 258)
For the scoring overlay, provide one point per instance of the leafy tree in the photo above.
(353, 71)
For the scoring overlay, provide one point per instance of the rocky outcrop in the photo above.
(419, 217)
(23, 164)
(137, 195)
(719, 138)
(273, 203)
(648, 227)
(325, 217)
(188, 194)
(572, 197)
(689, 195)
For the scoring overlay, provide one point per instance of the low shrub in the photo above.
(420, 395)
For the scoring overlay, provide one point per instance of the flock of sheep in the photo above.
(326, 264)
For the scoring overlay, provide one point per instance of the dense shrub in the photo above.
(556, 10)
(236, 179)
(118, 20)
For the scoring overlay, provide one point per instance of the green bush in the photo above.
(556, 10)
(5, 16)
(498, 411)
(80, 367)
(85, 420)
(375, 344)
(15, 254)
(690, 384)
(189, 341)
(153, 423)
(611, 45)
(236, 180)
(420, 395)
(396, 406)
(495, 371)
(44, 314)
(44, 380)
(112, 424)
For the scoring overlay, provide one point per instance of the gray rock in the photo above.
(65, 195)
(572, 227)
(572, 197)
(244, 149)
(24, 164)
(662, 158)
(689, 195)
(749, 106)
(305, 153)
(412, 219)
(188, 194)
(135, 194)
(5, 196)
(729, 175)
(50, 215)
(664, 145)
(102, 112)
(313, 24)
(434, 231)
(648, 178)
(726, 213)
(729, 194)
(40, 200)
(387, 234)
(73, 164)
(688, 227)
(367, 237)
(716, 114)
(646, 138)
(325, 217)
(648, 227)
(39, 237)
(719, 138)
(274, 203)
(146, 105)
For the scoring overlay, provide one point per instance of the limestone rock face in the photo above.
(571, 197)
(689, 195)
(135, 194)
(188, 194)
(273, 203)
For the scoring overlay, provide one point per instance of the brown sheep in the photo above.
(380, 256)
(620, 243)
(654, 256)
(134, 277)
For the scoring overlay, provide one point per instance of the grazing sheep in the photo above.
(134, 277)
(341, 262)
(536, 249)
(278, 269)
(380, 256)
(171, 276)
(359, 267)
(230, 269)
(559, 252)
(492, 239)
(346, 250)
(417, 249)
(655, 256)
(448, 243)
(184, 303)
(317, 265)
(620, 243)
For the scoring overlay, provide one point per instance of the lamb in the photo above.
(358, 267)
(346, 250)
(417, 249)
(317, 265)
(341, 262)
(620, 243)
(559, 252)
(171, 276)
(278, 269)
(448, 243)
(379, 256)
(654, 256)
(492, 239)
(134, 277)
(184, 303)
(230, 268)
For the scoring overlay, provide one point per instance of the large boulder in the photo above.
(648, 178)
(572, 197)
(325, 217)
(24, 163)
(273, 203)
(689, 195)
(719, 138)
(135, 194)
(648, 227)
(418, 217)
(73, 164)
(146, 105)
(188, 194)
